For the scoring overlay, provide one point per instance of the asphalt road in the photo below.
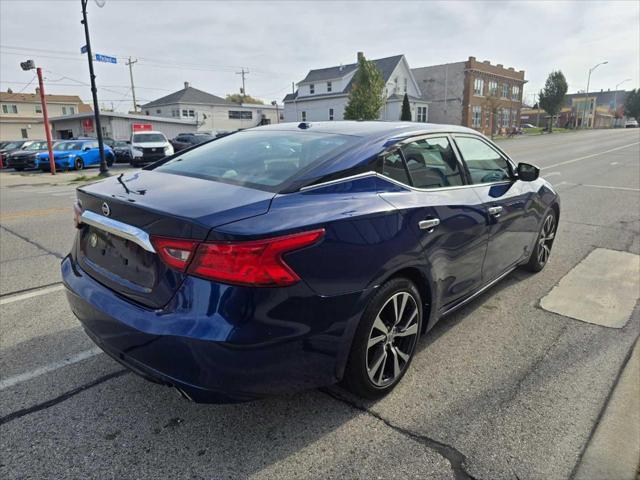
(500, 389)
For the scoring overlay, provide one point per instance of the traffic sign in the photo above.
(83, 49)
(106, 59)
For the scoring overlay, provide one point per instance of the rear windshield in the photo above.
(262, 159)
(148, 137)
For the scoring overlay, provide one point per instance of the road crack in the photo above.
(455, 458)
(35, 244)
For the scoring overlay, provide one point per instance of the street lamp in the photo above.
(615, 100)
(94, 91)
(30, 65)
(586, 93)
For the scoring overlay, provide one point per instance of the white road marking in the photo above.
(615, 163)
(551, 174)
(607, 187)
(573, 160)
(33, 293)
(23, 377)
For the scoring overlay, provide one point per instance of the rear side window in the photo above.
(262, 159)
(432, 163)
(393, 167)
(485, 164)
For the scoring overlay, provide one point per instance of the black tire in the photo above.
(78, 164)
(19, 169)
(110, 160)
(364, 355)
(542, 249)
(134, 164)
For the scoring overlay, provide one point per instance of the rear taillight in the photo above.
(257, 263)
(175, 252)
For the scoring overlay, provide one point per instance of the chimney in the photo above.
(500, 65)
(486, 62)
(360, 55)
(186, 85)
(9, 90)
(511, 69)
(472, 59)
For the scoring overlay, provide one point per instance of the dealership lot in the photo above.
(504, 388)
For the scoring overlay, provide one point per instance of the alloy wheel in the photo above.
(547, 234)
(392, 339)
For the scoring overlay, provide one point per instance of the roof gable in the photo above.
(385, 65)
(187, 95)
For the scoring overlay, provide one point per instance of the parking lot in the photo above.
(501, 389)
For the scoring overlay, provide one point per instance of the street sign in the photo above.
(87, 125)
(106, 59)
(141, 127)
(83, 49)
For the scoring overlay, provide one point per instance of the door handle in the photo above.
(429, 224)
(495, 211)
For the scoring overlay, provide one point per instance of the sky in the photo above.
(207, 42)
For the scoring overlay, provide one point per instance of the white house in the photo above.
(323, 94)
(212, 113)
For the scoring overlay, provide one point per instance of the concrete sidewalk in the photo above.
(614, 450)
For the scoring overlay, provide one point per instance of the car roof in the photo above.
(366, 128)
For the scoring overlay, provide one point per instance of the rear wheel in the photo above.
(110, 160)
(542, 250)
(385, 340)
(78, 164)
(18, 169)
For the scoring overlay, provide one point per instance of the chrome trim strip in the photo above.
(339, 180)
(119, 229)
(479, 292)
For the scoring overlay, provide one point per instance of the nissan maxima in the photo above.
(294, 256)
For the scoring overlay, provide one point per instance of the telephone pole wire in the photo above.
(133, 90)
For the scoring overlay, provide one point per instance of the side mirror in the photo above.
(528, 172)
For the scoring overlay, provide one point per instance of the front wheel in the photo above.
(110, 160)
(78, 164)
(385, 340)
(542, 249)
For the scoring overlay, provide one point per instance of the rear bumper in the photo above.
(219, 343)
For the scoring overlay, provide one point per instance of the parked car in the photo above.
(186, 140)
(294, 256)
(20, 160)
(147, 147)
(75, 154)
(12, 146)
(631, 123)
(527, 125)
(122, 151)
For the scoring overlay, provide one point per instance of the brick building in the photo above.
(465, 93)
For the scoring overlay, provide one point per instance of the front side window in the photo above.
(478, 86)
(476, 116)
(329, 87)
(432, 163)
(393, 167)
(263, 159)
(485, 164)
(67, 146)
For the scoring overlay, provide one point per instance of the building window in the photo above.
(506, 113)
(24, 133)
(329, 87)
(185, 113)
(64, 110)
(158, 111)
(192, 113)
(331, 114)
(478, 86)
(312, 88)
(38, 109)
(304, 116)
(476, 116)
(505, 90)
(493, 88)
(405, 85)
(72, 110)
(239, 115)
(146, 112)
(421, 115)
(395, 82)
(515, 92)
(9, 108)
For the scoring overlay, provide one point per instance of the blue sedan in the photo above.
(75, 154)
(294, 256)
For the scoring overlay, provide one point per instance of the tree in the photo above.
(366, 98)
(632, 104)
(492, 103)
(240, 98)
(552, 95)
(405, 116)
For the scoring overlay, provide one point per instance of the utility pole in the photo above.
(94, 91)
(586, 95)
(243, 72)
(133, 90)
